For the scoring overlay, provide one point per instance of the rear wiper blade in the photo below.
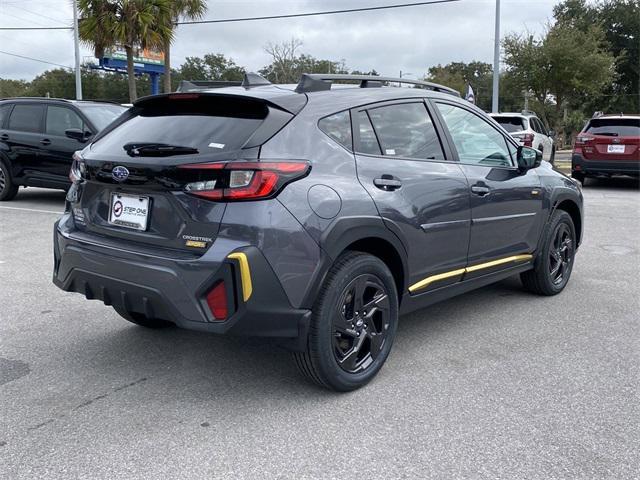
(608, 134)
(157, 150)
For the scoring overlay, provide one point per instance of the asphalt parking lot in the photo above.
(495, 384)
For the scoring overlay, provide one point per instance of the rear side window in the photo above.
(338, 127)
(406, 130)
(208, 125)
(26, 118)
(619, 127)
(511, 124)
(4, 113)
(60, 119)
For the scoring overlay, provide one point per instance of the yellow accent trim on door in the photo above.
(434, 278)
(501, 261)
(245, 274)
(454, 273)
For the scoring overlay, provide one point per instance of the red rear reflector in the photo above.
(217, 301)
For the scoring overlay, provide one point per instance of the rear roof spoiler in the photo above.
(318, 82)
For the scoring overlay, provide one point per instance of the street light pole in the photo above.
(496, 62)
(76, 42)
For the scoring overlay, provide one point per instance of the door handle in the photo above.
(45, 141)
(387, 183)
(4, 136)
(479, 190)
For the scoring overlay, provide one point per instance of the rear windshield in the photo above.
(615, 127)
(511, 124)
(209, 127)
(101, 115)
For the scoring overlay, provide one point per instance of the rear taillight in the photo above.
(526, 139)
(78, 168)
(217, 301)
(243, 180)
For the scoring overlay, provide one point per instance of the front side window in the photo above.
(26, 118)
(476, 141)
(406, 130)
(60, 119)
(338, 127)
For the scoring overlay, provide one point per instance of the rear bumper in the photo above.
(174, 289)
(609, 167)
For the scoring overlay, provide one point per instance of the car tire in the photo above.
(579, 177)
(141, 320)
(554, 262)
(347, 345)
(8, 189)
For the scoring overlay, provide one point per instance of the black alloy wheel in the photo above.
(361, 323)
(560, 254)
(554, 262)
(353, 323)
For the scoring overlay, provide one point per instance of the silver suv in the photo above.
(529, 131)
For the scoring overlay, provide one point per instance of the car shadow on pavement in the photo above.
(204, 367)
(39, 197)
(622, 183)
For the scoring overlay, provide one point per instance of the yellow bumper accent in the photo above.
(454, 273)
(245, 274)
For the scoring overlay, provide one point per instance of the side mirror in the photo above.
(528, 158)
(552, 133)
(78, 134)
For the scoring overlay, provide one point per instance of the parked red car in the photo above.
(608, 145)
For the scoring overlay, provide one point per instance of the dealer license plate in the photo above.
(615, 148)
(130, 211)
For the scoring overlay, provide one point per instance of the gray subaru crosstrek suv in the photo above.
(314, 213)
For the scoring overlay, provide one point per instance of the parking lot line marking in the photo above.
(31, 210)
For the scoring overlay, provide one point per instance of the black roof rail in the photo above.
(254, 80)
(317, 82)
(195, 85)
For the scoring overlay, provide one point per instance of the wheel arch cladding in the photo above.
(386, 252)
(573, 210)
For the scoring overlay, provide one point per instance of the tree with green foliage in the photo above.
(562, 68)
(213, 66)
(620, 21)
(188, 9)
(458, 75)
(133, 24)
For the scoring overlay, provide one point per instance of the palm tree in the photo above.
(131, 23)
(189, 9)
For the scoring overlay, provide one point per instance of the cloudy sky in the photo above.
(408, 39)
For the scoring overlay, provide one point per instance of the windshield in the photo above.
(618, 127)
(511, 124)
(100, 114)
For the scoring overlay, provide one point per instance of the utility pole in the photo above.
(496, 62)
(76, 42)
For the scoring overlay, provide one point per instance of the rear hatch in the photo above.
(137, 175)
(510, 123)
(610, 139)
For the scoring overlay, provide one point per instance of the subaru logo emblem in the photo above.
(120, 173)
(616, 140)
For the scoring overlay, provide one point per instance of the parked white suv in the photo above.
(529, 131)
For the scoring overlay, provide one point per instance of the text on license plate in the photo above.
(615, 148)
(129, 211)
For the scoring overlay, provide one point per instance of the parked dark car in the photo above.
(38, 137)
(312, 214)
(607, 145)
